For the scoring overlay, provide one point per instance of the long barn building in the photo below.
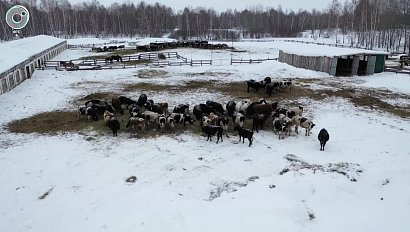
(20, 58)
(332, 60)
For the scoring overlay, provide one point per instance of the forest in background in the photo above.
(366, 23)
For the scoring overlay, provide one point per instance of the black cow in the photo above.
(181, 109)
(126, 101)
(116, 103)
(215, 107)
(142, 100)
(200, 110)
(223, 122)
(114, 125)
(244, 133)
(211, 130)
(117, 58)
(271, 86)
(91, 102)
(154, 108)
(112, 48)
(258, 121)
(100, 108)
(230, 107)
(323, 137)
(161, 56)
(108, 60)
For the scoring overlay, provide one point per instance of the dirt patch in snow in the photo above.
(350, 170)
(229, 187)
(53, 122)
(151, 73)
(211, 74)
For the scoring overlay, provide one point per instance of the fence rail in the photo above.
(331, 45)
(250, 61)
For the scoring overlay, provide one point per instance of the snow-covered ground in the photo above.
(185, 183)
(390, 81)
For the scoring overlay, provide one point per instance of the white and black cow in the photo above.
(150, 117)
(181, 109)
(181, 118)
(107, 116)
(171, 122)
(286, 83)
(136, 123)
(298, 110)
(304, 123)
(91, 114)
(243, 106)
(238, 119)
(282, 126)
(162, 120)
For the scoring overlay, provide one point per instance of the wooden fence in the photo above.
(250, 61)
(317, 63)
(151, 56)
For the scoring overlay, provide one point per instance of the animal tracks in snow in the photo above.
(350, 170)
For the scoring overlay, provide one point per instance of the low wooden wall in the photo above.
(316, 63)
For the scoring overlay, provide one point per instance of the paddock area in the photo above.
(73, 172)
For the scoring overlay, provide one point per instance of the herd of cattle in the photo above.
(154, 47)
(107, 49)
(213, 118)
(269, 85)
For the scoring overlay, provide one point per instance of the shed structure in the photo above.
(335, 61)
(19, 58)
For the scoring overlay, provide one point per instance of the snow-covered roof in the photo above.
(322, 50)
(18, 51)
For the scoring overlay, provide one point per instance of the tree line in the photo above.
(368, 23)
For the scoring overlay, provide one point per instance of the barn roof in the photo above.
(303, 49)
(17, 51)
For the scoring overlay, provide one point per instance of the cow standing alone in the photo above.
(323, 137)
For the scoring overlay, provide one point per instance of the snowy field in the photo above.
(185, 183)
